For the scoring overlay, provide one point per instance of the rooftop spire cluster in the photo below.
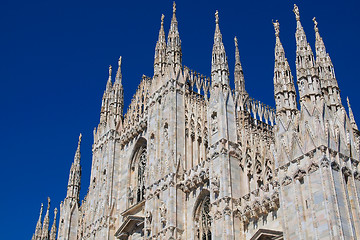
(180, 127)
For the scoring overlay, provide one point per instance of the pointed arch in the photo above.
(201, 216)
(137, 168)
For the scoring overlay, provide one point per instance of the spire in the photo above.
(329, 85)
(45, 227)
(117, 103)
(351, 115)
(307, 74)
(73, 188)
(219, 63)
(174, 54)
(238, 73)
(118, 77)
(77, 153)
(319, 44)
(53, 227)
(38, 228)
(109, 84)
(106, 99)
(284, 88)
(160, 51)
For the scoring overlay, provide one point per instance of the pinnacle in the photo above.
(238, 73)
(173, 51)
(109, 83)
(237, 54)
(77, 153)
(277, 29)
(319, 43)
(118, 77)
(45, 228)
(284, 88)
(219, 64)
(351, 115)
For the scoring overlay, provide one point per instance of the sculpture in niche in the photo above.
(163, 212)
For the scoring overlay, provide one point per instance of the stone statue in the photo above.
(119, 62)
(276, 27)
(148, 218)
(130, 194)
(216, 184)
(297, 13)
(163, 211)
(216, 16)
(315, 24)
(110, 70)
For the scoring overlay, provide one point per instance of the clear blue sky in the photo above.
(54, 58)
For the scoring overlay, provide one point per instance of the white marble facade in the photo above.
(194, 159)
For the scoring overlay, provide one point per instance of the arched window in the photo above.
(136, 188)
(203, 219)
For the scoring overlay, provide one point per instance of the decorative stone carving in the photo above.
(163, 211)
(130, 194)
(325, 162)
(286, 181)
(212, 127)
(299, 174)
(215, 182)
(335, 166)
(313, 168)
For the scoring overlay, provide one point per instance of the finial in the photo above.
(236, 41)
(276, 27)
(55, 212)
(110, 70)
(217, 17)
(297, 13)
(315, 24)
(162, 19)
(174, 7)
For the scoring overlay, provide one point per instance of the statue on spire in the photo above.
(110, 70)
(216, 17)
(162, 19)
(297, 13)
(276, 27)
(48, 206)
(119, 62)
(315, 24)
(174, 7)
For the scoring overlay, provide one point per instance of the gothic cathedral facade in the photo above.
(193, 159)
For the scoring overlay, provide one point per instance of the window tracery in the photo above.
(141, 176)
(136, 188)
(203, 220)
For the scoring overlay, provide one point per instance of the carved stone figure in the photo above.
(163, 212)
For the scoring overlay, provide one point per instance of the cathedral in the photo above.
(194, 159)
